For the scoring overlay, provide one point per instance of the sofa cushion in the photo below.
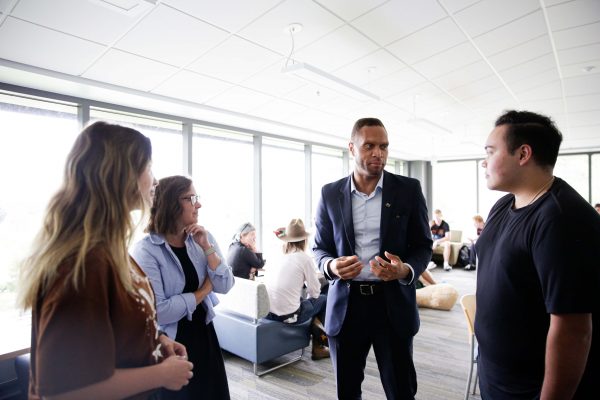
(247, 298)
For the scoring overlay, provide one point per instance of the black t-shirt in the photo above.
(535, 261)
(439, 231)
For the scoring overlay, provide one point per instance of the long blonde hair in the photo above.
(91, 209)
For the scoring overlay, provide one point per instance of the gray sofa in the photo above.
(243, 330)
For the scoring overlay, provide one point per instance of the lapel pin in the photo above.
(388, 205)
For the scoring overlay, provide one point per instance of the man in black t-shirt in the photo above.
(440, 231)
(538, 285)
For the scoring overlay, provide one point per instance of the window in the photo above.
(283, 189)
(595, 178)
(35, 138)
(454, 192)
(327, 166)
(574, 170)
(165, 135)
(223, 174)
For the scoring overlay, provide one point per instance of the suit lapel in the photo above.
(345, 202)
(387, 205)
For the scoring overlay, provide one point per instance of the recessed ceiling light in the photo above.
(588, 68)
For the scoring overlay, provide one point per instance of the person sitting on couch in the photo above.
(243, 256)
(285, 282)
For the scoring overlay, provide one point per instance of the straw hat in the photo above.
(294, 232)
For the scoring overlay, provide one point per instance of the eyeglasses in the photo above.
(192, 199)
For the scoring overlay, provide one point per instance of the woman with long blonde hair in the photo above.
(94, 332)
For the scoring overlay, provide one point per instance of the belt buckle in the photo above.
(366, 290)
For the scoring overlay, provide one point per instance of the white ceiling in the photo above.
(455, 63)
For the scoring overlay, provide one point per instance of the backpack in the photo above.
(464, 255)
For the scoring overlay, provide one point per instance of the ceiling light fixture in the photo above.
(319, 77)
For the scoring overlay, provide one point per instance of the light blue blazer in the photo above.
(159, 262)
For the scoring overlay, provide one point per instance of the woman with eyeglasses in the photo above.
(244, 258)
(184, 264)
(94, 332)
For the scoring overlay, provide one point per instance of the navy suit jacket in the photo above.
(404, 232)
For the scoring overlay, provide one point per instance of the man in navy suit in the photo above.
(372, 242)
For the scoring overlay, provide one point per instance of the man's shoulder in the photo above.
(395, 179)
(336, 185)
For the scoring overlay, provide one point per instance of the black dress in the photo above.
(200, 340)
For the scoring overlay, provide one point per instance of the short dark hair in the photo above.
(166, 207)
(597, 205)
(536, 130)
(364, 122)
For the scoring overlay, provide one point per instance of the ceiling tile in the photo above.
(268, 30)
(549, 107)
(511, 35)
(421, 99)
(476, 88)
(369, 68)
(342, 105)
(529, 68)
(582, 68)
(239, 99)
(230, 15)
(336, 49)
(584, 103)
(273, 81)
(312, 95)
(573, 14)
(491, 14)
(552, 90)
(456, 5)
(582, 85)
(448, 61)
(234, 60)
(428, 41)
(467, 74)
(496, 100)
(519, 54)
(396, 82)
(179, 40)
(555, 2)
(278, 110)
(4, 4)
(141, 73)
(530, 82)
(74, 16)
(585, 118)
(190, 86)
(398, 18)
(348, 10)
(61, 52)
(580, 55)
(579, 36)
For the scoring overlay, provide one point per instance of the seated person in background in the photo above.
(479, 224)
(597, 207)
(243, 257)
(285, 282)
(439, 233)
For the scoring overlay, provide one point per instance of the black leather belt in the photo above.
(366, 288)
